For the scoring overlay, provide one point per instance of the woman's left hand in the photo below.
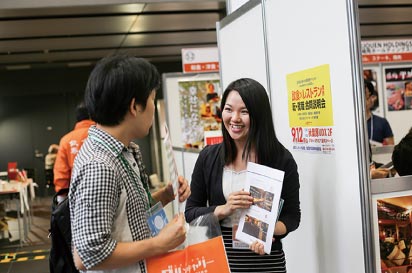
(257, 247)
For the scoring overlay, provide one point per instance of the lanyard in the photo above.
(130, 172)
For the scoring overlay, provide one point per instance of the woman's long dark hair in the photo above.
(261, 134)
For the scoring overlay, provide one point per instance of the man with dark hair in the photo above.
(402, 155)
(69, 147)
(379, 130)
(111, 207)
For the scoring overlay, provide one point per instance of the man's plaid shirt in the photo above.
(102, 190)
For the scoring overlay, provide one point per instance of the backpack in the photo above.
(61, 259)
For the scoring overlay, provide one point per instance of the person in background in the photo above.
(220, 172)
(379, 130)
(49, 162)
(402, 155)
(69, 147)
(109, 193)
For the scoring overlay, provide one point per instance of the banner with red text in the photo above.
(386, 51)
(200, 60)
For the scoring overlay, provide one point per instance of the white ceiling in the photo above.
(41, 33)
(38, 35)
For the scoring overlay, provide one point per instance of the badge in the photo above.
(156, 218)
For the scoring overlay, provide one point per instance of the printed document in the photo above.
(258, 222)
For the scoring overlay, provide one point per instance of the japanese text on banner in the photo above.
(310, 110)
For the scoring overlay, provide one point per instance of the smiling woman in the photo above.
(220, 173)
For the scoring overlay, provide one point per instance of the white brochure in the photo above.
(258, 222)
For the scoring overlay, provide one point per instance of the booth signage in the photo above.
(384, 51)
(200, 60)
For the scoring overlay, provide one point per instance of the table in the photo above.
(19, 191)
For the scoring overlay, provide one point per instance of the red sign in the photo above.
(200, 60)
(201, 67)
(386, 58)
(213, 140)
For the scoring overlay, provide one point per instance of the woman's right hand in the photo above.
(236, 200)
(173, 234)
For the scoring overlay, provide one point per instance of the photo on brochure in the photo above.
(255, 227)
(261, 198)
(258, 222)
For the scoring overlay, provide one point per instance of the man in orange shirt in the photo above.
(69, 147)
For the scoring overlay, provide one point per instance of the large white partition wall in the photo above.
(241, 44)
(233, 5)
(335, 205)
(335, 231)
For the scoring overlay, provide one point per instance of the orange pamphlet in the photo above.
(196, 258)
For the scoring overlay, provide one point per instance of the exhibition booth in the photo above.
(317, 96)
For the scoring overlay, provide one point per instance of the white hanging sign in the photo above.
(200, 60)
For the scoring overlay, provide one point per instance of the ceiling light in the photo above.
(18, 67)
(78, 64)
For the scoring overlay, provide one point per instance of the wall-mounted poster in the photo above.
(372, 74)
(393, 233)
(310, 110)
(199, 110)
(399, 88)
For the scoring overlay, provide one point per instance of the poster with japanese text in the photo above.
(199, 110)
(393, 233)
(310, 110)
(386, 51)
(398, 84)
